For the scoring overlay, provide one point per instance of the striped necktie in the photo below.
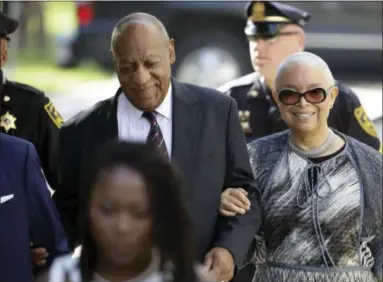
(155, 136)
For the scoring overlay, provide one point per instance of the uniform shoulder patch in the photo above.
(364, 121)
(53, 114)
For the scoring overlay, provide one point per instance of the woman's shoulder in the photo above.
(65, 268)
(366, 153)
(265, 152)
(269, 143)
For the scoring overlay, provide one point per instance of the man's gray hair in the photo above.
(305, 59)
(138, 18)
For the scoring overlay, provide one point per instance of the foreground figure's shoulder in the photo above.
(12, 143)
(87, 117)
(244, 81)
(268, 143)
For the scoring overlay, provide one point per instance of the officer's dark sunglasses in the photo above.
(313, 96)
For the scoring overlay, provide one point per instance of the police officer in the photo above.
(27, 113)
(275, 31)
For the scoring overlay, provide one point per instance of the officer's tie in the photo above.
(155, 136)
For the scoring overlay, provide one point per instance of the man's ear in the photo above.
(172, 51)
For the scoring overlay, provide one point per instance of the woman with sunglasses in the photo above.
(321, 190)
(135, 223)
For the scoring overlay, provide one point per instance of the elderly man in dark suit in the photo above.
(197, 128)
(27, 212)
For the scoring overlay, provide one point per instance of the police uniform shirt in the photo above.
(27, 113)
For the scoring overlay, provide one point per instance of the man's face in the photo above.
(143, 61)
(268, 53)
(3, 51)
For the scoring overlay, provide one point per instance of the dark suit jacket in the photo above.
(27, 213)
(209, 147)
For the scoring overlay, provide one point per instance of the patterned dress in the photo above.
(311, 224)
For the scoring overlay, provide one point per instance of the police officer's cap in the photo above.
(265, 18)
(7, 26)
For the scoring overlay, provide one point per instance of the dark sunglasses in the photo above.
(313, 96)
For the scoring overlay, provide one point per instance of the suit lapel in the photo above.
(186, 127)
(185, 131)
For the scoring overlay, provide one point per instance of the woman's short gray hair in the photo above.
(306, 59)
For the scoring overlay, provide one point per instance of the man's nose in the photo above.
(259, 44)
(142, 75)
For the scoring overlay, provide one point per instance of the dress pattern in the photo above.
(312, 216)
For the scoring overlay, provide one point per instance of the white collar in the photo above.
(164, 109)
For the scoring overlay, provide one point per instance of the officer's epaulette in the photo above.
(26, 88)
(239, 82)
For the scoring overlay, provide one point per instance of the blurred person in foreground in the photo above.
(135, 223)
(274, 31)
(27, 113)
(197, 128)
(27, 212)
(321, 190)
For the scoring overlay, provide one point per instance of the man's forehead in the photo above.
(141, 28)
(139, 43)
(291, 28)
(127, 59)
(141, 37)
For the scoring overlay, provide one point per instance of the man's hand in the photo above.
(220, 264)
(38, 256)
(234, 201)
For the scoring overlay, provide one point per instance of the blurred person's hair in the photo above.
(172, 227)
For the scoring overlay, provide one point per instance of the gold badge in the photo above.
(253, 93)
(365, 122)
(54, 114)
(8, 121)
(258, 12)
(244, 117)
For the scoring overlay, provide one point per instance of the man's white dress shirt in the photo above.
(132, 126)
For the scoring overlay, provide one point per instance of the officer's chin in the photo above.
(261, 70)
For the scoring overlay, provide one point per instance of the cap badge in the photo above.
(258, 12)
